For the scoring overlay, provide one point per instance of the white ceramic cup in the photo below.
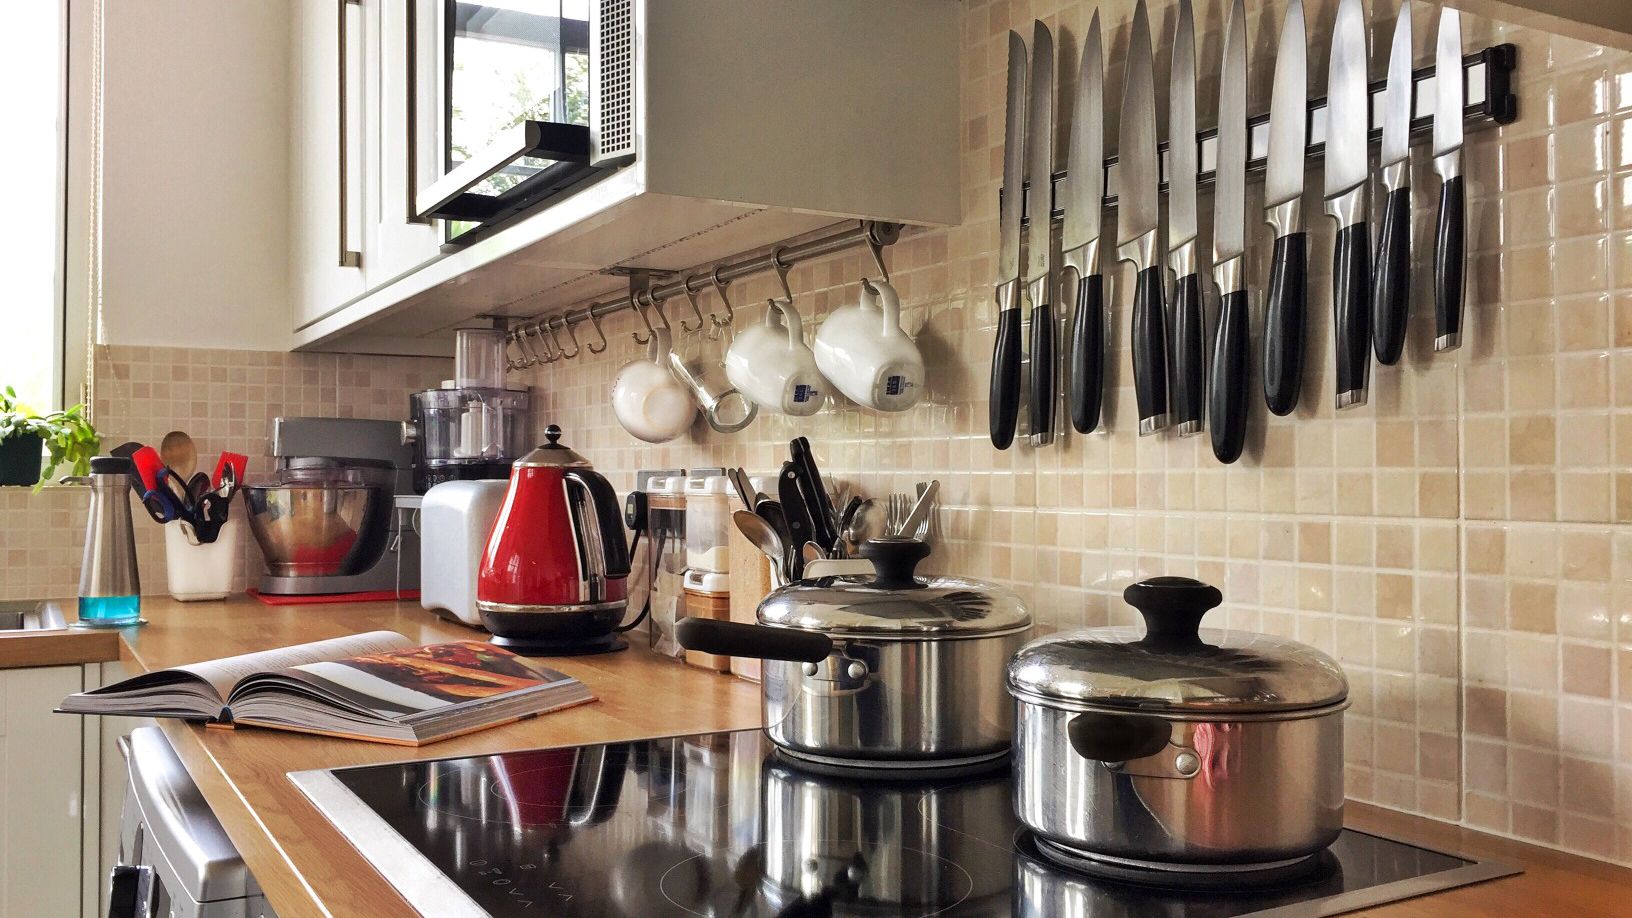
(646, 398)
(864, 352)
(771, 364)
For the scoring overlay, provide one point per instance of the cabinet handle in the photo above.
(349, 257)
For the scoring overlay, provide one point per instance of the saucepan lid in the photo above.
(1172, 665)
(892, 601)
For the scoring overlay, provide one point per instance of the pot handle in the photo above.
(735, 639)
(1117, 737)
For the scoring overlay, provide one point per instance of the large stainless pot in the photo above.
(887, 669)
(1178, 748)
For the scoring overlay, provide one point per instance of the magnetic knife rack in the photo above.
(1487, 81)
(650, 287)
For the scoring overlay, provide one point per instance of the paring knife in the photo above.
(1391, 285)
(1039, 234)
(1227, 393)
(1004, 405)
(1449, 254)
(1284, 310)
(1185, 354)
(1136, 225)
(1348, 172)
(1079, 236)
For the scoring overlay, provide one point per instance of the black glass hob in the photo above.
(721, 825)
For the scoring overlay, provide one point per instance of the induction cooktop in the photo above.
(721, 825)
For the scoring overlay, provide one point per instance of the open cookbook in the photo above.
(377, 686)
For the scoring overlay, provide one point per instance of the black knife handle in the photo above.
(1391, 285)
(1351, 308)
(1087, 371)
(1185, 356)
(1043, 364)
(1150, 350)
(1005, 395)
(1227, 393)
(1284, 317)
(1449, 256)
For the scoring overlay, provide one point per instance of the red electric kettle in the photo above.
(552, 580)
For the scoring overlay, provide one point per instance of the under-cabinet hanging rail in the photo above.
(871, 234)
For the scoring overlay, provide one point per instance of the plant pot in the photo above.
(20, 459)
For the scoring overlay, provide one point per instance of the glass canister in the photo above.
(666, 531)
(469, 434)
(709, 500)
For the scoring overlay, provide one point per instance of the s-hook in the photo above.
(640, 310)
(557, 341)
(691, 297)
(512, 362)
(595, 320)
(782, 269)
(725, 300)
(877, 248)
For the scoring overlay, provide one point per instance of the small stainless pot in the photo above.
(1178, 748)
(890, 669)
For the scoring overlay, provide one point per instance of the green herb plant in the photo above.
(69, 437)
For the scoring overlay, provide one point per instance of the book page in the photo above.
(227, 672)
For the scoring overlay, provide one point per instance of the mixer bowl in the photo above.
(319, 529)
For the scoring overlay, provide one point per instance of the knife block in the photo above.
(750, 575)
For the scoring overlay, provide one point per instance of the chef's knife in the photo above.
(1227, 394)
(1039, 251)
(1284, 311)
(1348, 172)
(797, 515)
(1185, 353)
(820, 506)
(1079, 236)
(1448, 249)
(1391, 287)
(1004, 407)
(1137, 177)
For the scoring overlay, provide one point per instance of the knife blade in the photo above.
(1137, 178)
(1227, 392)
(1449, 252)
(823, 527)
(1284, 308)
(797, 515)
(1004, 403)
(1184, 353)
(1079, 235)
(1348, 172)
(1391, 283)
(1039, 248)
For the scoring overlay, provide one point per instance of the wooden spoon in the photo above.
(179, 453)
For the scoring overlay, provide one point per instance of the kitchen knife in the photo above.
(1227, 392)
(1137, 178)
(1348, 172)
(1391, 286)
(1003, 410)
(1039, 251)
(1284, 309)
(820, 506)
(1185, 352)
(1079, 236)
(1449, 254)
(796, 513)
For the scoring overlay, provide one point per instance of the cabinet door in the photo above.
(39, 793)
(329, 105)
(404, 134)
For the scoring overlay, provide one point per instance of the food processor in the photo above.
(472, 427)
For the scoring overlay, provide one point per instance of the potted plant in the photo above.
(67, 436)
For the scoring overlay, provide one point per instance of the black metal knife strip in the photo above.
(1488, 81)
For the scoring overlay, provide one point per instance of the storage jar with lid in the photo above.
(1176, 748)
(708, 523)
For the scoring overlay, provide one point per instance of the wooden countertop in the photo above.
(57, 647)
(308, 869)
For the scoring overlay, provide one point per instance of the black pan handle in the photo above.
(1189, 373)
(1227, 395)
(1351, 312)
(1004, 407)
(1087, 382)
(1043, 362)
(735, 639)
(1117, 737)
(1150, 349)
(1284, 316)
(1391, 285)
(1449, 255)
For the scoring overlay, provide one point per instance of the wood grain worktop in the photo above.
(307, 868)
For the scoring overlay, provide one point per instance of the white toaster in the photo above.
(454, 524)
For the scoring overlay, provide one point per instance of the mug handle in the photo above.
(790, 317)
(659, 348)
(891, 303)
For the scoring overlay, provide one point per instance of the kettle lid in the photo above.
(551, 454)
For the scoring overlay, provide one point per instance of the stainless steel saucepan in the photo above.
(890, 669)
(1178, 748)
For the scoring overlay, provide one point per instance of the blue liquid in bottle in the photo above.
(109, 611)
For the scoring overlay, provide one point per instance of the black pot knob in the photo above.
(1172, 608)
(894, 559)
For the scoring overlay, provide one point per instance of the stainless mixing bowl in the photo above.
(319, 529)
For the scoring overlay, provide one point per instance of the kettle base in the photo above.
(570, 647)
